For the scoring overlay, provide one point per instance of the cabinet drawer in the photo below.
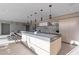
(38, 50)
(40, 43)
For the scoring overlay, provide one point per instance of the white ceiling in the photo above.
(19, 11)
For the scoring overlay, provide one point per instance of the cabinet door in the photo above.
(28, 41)
(38, 50)
(24, 38)
(45, 45)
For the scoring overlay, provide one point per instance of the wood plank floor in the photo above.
(15, 49)
(19, 49)
(66, 48)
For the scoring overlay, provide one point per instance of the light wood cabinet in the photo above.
(55, 46)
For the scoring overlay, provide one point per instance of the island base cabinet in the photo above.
(38, 50)
(24, 38)
(28, 41)
(40, 43)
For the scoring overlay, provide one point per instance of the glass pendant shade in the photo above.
(35, 16)
(50, 16)
(50, 5)
(35, 12)
(41, 19)
(41, 15)
(35, 20)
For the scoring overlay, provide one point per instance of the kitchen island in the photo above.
(42, 44)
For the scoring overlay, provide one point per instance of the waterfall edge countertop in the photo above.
(46, 37)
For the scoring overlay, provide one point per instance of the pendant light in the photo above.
(41, 14)
(35, 20)
(31, 19)
(35, 16)
(27, 20)
(50, 16)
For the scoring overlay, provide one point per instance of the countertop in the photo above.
(43, 36)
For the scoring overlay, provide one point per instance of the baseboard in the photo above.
(69, 43)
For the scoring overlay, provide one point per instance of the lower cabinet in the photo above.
(38, 50)
(43, 44)
(39, 46)
(28, 41)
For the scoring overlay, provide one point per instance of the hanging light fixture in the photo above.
(31, 19)
(35, 20)
(28, 21)
(31, 15)
(41, 14)
(35, 15)
(50, 16)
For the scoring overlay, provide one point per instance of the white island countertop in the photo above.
(46, 37)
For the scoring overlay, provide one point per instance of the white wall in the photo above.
(69, 28)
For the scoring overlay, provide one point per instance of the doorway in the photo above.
(5, 28)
